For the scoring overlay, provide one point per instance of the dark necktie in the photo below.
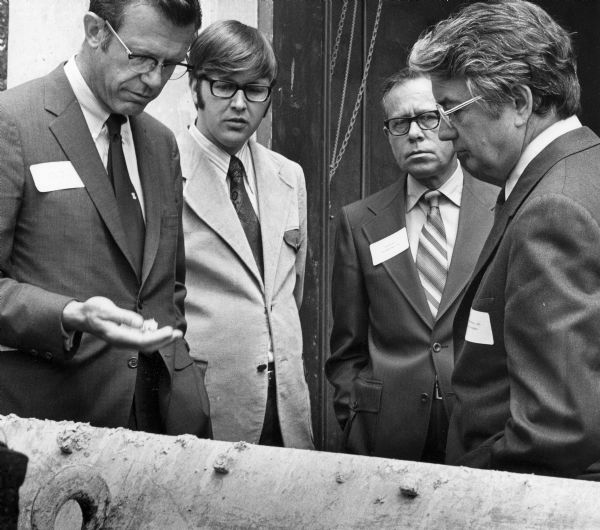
(241, 202)
(432, 255)
(127, 200)
(499, 203)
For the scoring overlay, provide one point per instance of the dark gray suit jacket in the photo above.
(385, 346)
(66, 244)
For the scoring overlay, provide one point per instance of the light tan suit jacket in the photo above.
(232, 314)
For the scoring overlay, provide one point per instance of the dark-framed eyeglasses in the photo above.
(144, 64)
(400, 126)
(445, 114)
(252, 91)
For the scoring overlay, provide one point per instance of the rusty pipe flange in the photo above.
(79, 483)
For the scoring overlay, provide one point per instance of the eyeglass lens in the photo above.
(426, 121)
(254, 93)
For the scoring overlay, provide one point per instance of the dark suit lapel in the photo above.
(569, 143)
(73, 135)
(469, 240)
(150, 181)
(390, 216)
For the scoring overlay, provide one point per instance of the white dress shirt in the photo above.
(536, 146)
(220, 159)
(95, 116)
(449, 204)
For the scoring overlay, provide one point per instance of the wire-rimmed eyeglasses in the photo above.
(400, 126)
(446, 113)
(252, 91)
(144, 64)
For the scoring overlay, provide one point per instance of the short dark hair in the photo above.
(398, 79)
(179, 12)
(228, 46)
(496, 46)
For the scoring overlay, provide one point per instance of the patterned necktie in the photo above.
(432, 257)
(130, 210)
(241, 202)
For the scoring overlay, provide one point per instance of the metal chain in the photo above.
(338, 37)
(337, 158)
(345, 85)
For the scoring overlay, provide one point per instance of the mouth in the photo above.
(418, 153)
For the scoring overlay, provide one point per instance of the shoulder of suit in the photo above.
(483, 191)
(277, 159)
(362, 208)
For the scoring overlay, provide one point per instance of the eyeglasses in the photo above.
(400, 126)
(144, 64)
(446, 113)
(252, 92)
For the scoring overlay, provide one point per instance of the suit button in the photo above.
(48, 356)
(261, 367)
(132, 363)
(437, 347)
(424, 397)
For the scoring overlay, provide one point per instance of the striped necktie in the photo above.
(432, 257)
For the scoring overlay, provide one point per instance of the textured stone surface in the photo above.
(135, 480)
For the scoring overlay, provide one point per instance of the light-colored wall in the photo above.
(42, 33)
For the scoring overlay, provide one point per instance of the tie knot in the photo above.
(432, 198)
(113, 124)
(236, 169)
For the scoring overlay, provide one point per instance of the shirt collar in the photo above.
(218, 156)
(536, 146)
(94, 113)
(451, 189)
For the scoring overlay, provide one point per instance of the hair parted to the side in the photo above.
(179, 12)
(228, 47)
(396, 79)
(499, 45)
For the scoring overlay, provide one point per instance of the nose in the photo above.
(238, 100)
(154, 78)
(414, 131)
(446, 132)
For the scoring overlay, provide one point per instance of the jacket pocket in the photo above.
(292, 238)
(365, 403)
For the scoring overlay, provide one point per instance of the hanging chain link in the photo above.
(338, 37)
(337, 156)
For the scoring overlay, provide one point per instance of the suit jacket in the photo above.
(66, 244)
(385, 346)
(528, 401)
(232, 314)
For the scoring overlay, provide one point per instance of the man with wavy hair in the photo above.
(527, 334)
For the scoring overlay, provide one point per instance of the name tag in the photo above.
(479, 328)
(54, 176)
(389, 246)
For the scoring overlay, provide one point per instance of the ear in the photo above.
(523, 104)
(94, 28)
(193, 85)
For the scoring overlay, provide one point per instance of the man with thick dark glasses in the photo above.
(245, 239)
(402, 259)
(91, 240)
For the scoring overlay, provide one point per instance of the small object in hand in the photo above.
(150, 325)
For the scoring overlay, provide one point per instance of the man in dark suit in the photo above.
(403, 257)
(528, 368)
(91, 241)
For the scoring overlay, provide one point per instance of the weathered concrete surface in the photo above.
(134, 480)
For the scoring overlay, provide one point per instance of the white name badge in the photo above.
(54, 176)
(479, 328)
(389, 246)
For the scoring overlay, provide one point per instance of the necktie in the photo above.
(499, 203)
(241, 202)
(127, 201)
(432, 257)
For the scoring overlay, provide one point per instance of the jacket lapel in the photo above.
(390, 216)
(469, 240)
(569, 143)
(71, 132)
(148, 172)
(207, 197)
(274, 194)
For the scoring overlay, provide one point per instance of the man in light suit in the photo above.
(391, 343)
(245, 237)
(91, 246)
(528, 366)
